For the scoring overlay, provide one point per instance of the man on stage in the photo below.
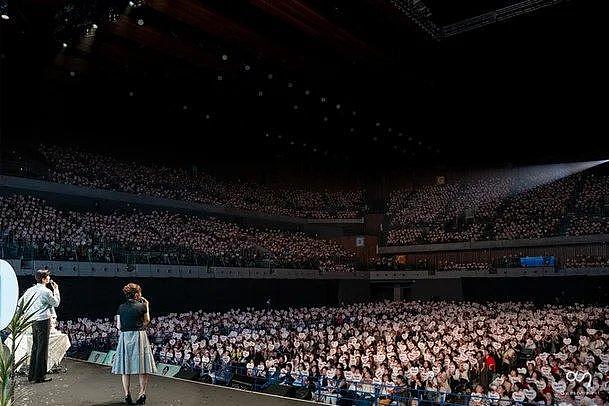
(43, 302)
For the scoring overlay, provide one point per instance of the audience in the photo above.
(463, 266)
(535, 213)
(502, 205)
(156, 235)
(588, 225)
(583, 261)
(499, 208)
(92, 170)
(594, 194)
(494, 351)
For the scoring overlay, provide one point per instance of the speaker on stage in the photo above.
(247, 382)
(280, 390)
(303, 393)
(187, 373)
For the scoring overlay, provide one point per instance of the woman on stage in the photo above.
(133, 354)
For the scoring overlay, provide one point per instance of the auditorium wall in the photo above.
(100, 297)
(364, 246)
(353, 290)
(565, 289)
(561, 252)
(427, 289)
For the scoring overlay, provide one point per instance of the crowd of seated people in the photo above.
(69, 234)
(448, 265)
(406, 236)
(434, 204)
(591, 208)
(594, 194)
(76, 167)
(535, 213)
(587, 261)
(588, 225)
(499, 208)
(395, 263)
(495, 352)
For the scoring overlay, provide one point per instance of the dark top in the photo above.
(132, 315)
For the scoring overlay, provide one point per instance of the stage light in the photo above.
(5, 17)
(247, 68)
(307, 92)
(72, 73)
(291, 142)
(94, 26)
(338, 107)
(131, 94)
(389, 129)
(185, 107)
(323, 100)
(325, 119)
(269, 76)
(296, 107)
(140, 21)
(225, 57)
(378, 124)
(260, 93)
(131, 4)
(113, 16)
(267, 135)
(290, 85)
(220, 77)
(64, 45)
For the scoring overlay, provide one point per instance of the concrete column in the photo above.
(397, 292)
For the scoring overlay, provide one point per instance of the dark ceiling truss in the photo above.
(421, 18)
(495, 16)
(419, 15)
(307, 20)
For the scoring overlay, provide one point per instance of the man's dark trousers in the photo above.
(40, 350)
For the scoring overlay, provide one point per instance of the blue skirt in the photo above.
(133, 354)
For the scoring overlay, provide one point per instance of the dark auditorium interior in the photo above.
(354, 202)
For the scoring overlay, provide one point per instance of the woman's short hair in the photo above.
(131, 289)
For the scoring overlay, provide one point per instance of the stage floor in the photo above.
(90, 384)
